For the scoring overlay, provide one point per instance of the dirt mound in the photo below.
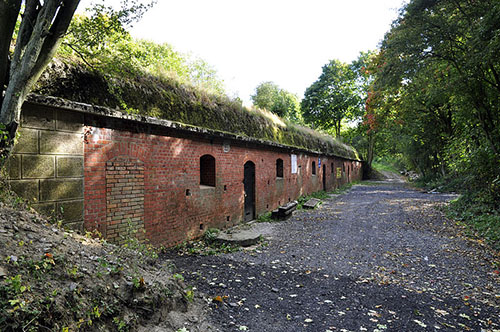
(57, 280)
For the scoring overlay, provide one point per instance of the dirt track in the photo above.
(380, 257)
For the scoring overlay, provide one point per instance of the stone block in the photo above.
(47, 209)
(14, 167)
(37, 116)
(69, 121)
(70, 211)
(54, 142)
(27, 189)
(58, 189)
(27, 141)
(38, 167)
(69, 166)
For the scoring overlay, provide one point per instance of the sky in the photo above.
(283, 41)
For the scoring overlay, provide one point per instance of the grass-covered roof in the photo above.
(168, 99)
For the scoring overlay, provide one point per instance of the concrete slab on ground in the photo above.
(247, 234)
(311, 204)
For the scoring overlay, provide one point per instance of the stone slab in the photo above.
(14, 167)
(242, 238)
(69, 121)
(60, 189)
(38, 116)
(27, 189)
(54, 142)
(311, 204)
(27, 141)
(69, 166)
(38, 167)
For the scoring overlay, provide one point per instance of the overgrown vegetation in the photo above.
(54, 279)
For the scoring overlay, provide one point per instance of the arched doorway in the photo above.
(249, 189)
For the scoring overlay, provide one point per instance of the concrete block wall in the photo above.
(47, 162)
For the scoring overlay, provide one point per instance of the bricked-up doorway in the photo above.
(249, 188)
(124, 199)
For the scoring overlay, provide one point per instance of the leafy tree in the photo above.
(333, 97)
(270, 96)
(42, 28)
(100, 38)
(461, 36)
(265, 95)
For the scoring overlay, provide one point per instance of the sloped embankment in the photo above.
(57, 280)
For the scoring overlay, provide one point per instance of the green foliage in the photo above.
(271, 97)
(265, 217)
(171, 100)
(333, 98)
(101, 41)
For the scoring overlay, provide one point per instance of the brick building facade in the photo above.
(162, 180)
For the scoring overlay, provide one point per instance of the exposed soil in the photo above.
(57, 280)
(380, 257)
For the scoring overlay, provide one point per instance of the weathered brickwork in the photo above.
(176, 206)
(124, 199)
(47, 162)
(161, 183)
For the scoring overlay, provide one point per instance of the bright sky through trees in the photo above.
(284, 41)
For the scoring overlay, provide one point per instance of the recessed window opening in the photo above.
(313, 168)
(279, 168)
(332, 168)
(207, 170)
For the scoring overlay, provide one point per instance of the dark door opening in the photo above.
(249, 188)
(324, 177)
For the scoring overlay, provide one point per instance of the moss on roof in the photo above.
(168, 99)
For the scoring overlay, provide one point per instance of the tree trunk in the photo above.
(371, 148)
(9, 11)
(40, 33)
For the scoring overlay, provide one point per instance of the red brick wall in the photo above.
(176, 207)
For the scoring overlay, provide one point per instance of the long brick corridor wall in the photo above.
(145, 179)
(176, 206)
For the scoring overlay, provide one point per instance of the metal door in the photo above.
(249, 188)
(324, 177)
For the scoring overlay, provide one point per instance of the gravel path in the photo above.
(379, 258)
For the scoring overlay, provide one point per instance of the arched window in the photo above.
(279, 168)
(313, 168)
(207, 170)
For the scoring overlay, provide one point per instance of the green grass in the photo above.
(479, 215)
(382, 165)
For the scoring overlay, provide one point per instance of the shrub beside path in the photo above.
(379, 257)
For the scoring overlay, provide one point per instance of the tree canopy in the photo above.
(271, 97)
(333, 97)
